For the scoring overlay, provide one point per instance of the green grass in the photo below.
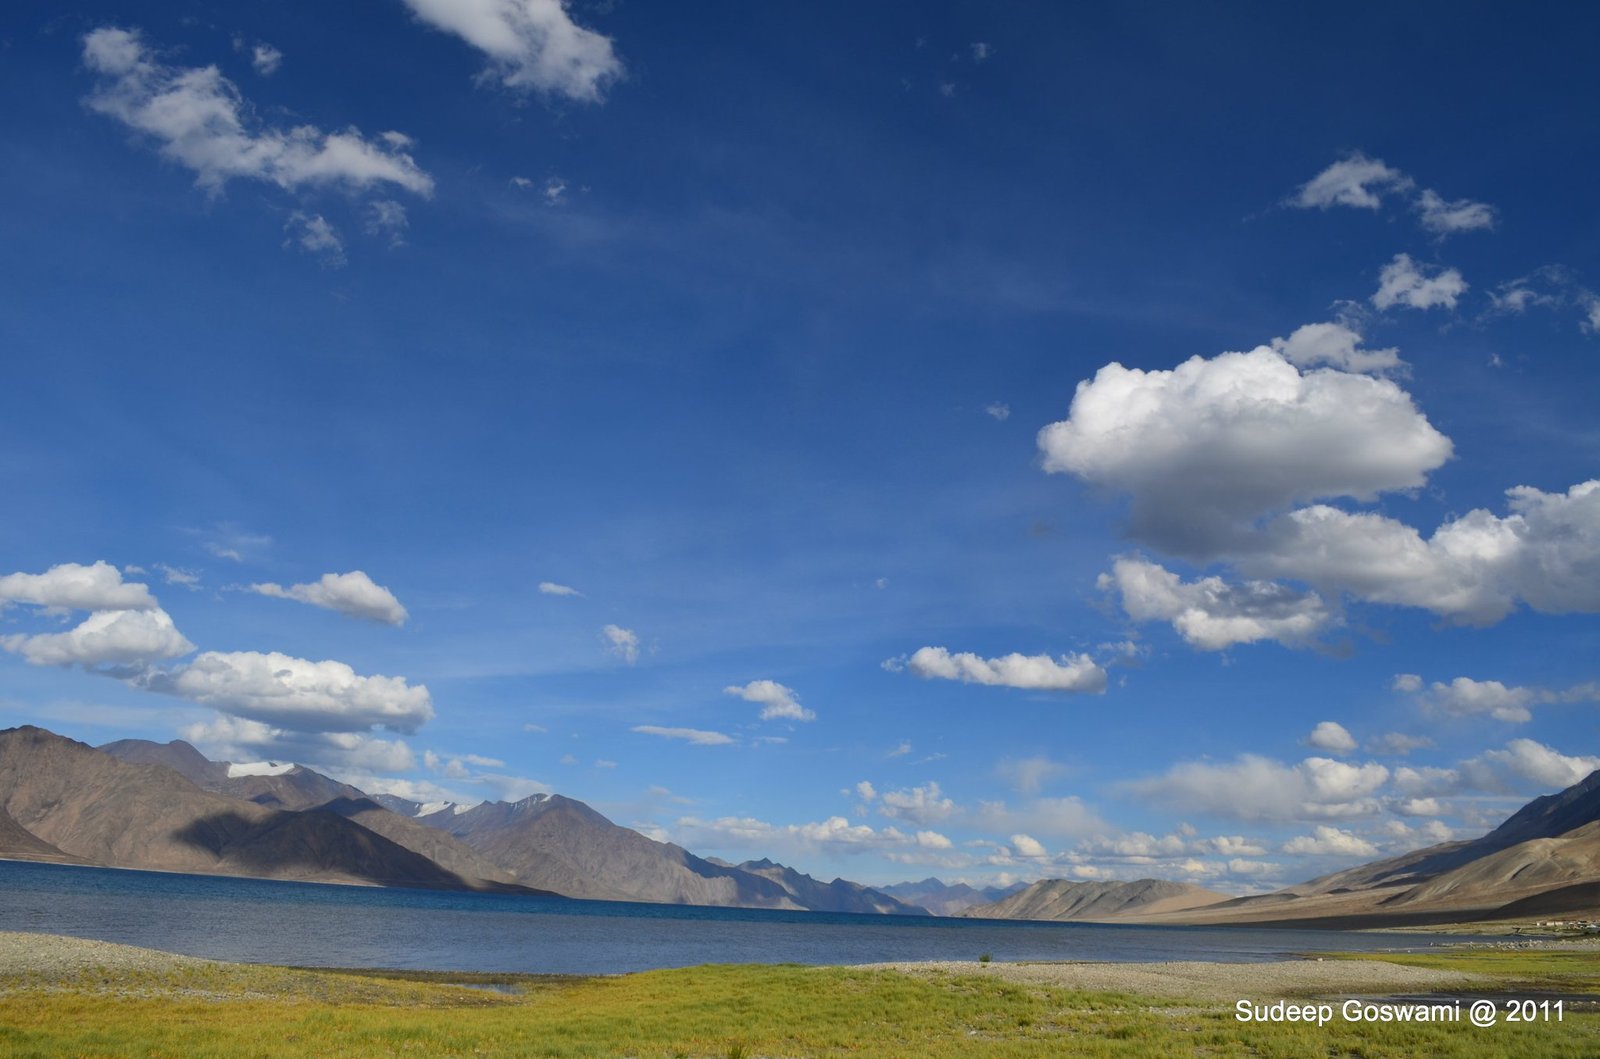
(714, 1011)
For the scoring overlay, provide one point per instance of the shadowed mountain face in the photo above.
(99, 809)
(948, 900)
(563, 845)
(1059, 899)
(18, 843)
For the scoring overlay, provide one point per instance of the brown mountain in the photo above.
(297, 787)
(1544, 860)
(1060, 899)
(99, 809)
(559, 844)
(301, 788)
(18, 843)
(840, 895)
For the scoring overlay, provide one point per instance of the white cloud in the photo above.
(1363, 182)
(933, 840)
(998, 410)
(1207, 448)
(920, 805)
(550, 588)
(777, 701)
(1523, 766)
(1336, 346)
(555, 191)
(1331, 736)
(531, 44)
(1330, 842)
(1473, 569)
(242, 739)
(981, 50)
(1465, 697)
(105, 637)
(1534, 762)
(1448, 218)
(624, 643)
(901, 749)
(312, 233)
(72, 585)
(266, 59)
(354, 594)
(1034, 672)
(1213, 615)
(1257, 788)
(697, 736)
(1356, 181)
(1027, 846)
(199, 119)
(1404, 282)
(294, 693)
(1029, 775)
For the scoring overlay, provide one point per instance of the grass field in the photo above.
(721, 1011)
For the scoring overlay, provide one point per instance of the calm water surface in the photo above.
(310, 924)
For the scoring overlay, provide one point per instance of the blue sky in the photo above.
(897, 439)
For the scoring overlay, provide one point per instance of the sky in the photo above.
(986, 441)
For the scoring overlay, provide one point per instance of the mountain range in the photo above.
(165, 806)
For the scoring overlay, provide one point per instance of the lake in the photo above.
(313, 924)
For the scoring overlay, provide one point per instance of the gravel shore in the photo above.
(54, 954)
(1208, 981)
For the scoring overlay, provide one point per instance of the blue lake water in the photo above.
(310, 924)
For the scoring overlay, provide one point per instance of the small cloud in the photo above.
(881, 583)
(1331, 735)
(534, 728)
(555, 191)
(947, 90)
(312, 233)
(1404, 282)
(550, 588)
(602, 763)
(266, 59)
(1033, 672)
(1026, 846)
(568, 759)
(981, 51)
(1001, 412)
(777, 701)
(900, 751)
(1448, 218)
(1355, 180)
(624, 643)
(354, 594)
(697, 736)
